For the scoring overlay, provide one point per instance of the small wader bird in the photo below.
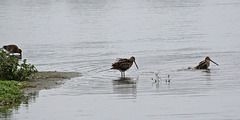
(123, 65)
(13, 49)
(205, 64)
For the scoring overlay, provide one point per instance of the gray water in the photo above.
(165, 37)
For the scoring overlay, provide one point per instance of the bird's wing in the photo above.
(120, 63)
(200, 64)
(121, 60)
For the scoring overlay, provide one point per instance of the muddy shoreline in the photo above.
(48, 80)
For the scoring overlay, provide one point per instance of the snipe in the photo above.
(123, 64)
(205, 64)
(13, 49)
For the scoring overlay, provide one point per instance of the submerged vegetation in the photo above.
(11, 72)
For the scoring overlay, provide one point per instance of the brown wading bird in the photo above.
(205, 63)
(123, 64)
(13, 49)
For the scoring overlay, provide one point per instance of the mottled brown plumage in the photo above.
(13, 49)
(123, 64)
(204, 64)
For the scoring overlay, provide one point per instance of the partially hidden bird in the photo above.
(13, 49)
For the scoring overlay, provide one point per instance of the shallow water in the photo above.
(165, 37)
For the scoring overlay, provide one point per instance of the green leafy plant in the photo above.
(10, 92)
(10, 69)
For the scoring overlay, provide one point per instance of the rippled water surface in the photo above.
(165, 36)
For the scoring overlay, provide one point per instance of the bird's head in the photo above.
(20, 52)
(132, 59)
(208, 59)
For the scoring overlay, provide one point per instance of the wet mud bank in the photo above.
(48, 80)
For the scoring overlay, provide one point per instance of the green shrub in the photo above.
(10, 69)
(10, 92)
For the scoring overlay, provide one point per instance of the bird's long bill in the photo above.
(136, 64)
(214, 62)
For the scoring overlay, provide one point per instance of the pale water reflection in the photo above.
(165, 36)
(125, 87)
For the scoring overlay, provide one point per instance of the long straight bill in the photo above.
(214, 62)
(136, 64)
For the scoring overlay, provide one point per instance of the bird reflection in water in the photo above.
(126, 88)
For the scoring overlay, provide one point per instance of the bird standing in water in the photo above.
(13, 49)
(205, 64)
(123, 64)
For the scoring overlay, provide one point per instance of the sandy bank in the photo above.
(48, 80)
